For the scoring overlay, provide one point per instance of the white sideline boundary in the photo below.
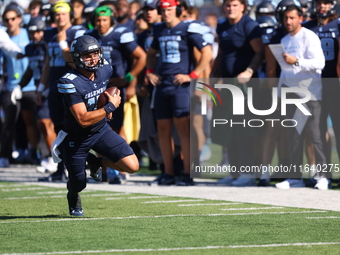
(298, 197)
(22, 189)
(141, 197)
(172, 201)
(210, 204)
(306, 198)
(177, 248)
(328, 217)
(59, 196)
(250, 208)
(159, 216)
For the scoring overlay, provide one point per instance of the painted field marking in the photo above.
(117, 198)
(90, 195)
(64, 191)
(210, 204)
(177, 248)
(158, 216)
(11, 185)
(23, 189)
(251, 208)
(172, 201)
(328, 217)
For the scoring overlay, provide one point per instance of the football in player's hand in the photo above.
(103, 100)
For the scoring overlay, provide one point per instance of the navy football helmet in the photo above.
(266, 7)
(328, 13)
(86, 44)
(282, 6)
(36, 24)
(267, 22)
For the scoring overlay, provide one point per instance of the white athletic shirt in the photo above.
(7, 45)
(306, 47)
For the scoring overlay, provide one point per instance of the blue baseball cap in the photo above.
(153, 4)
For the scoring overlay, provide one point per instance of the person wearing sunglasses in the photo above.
(13, 98)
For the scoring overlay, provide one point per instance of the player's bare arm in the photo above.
(140, 56)
(62, 38)
(203, 62)
(87, 118)
(150, 64)
(255, 63)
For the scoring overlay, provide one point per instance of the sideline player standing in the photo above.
(84, 126)
(175, 39)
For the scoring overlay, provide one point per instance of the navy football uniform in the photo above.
(75, 89)
(329, 36)
(36, 53)
(273, 36)
(117, 46)
(144, 39)
(58, 67)
(130, 24)
(121, 40)
(236, 53)
(175, 46)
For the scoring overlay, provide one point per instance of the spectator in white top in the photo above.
(305, 55)
(7, 45)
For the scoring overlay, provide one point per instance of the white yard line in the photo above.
(90, 195)
(59, 192)
(22, 189)
(12, 185)
(141, 197)
(172, 201)
(328, 217)
(160, 216)
(177, 248)
(210, 204)
(251, 208)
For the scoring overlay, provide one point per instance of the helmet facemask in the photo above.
(86, 64)
(87, 45)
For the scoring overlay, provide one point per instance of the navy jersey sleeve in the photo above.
(220, 25)
(127, 40)
(252, 30)
(195, 36)
(155, 32)
(49, 33)
(69, 91)
(27, 48)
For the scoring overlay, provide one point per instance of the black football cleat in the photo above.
(186, 181)
(78, 211)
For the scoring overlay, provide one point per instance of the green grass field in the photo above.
(35, 220)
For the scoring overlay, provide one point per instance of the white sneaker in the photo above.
(4, 162)
(50, 165)
(323, 183)
(290, 183)
(47, 166)
(205, 153)
(226, 181)
(245, 180)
